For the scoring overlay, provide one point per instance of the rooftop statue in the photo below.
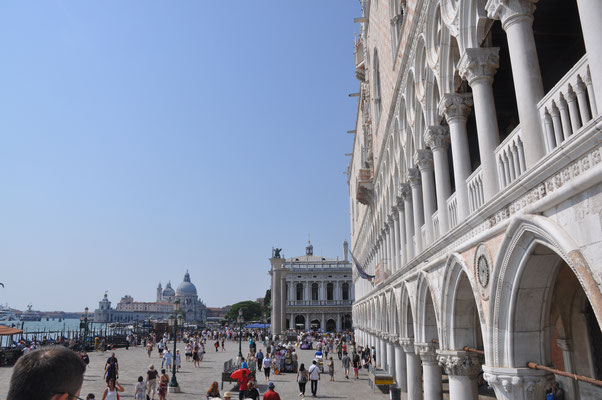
(277, 253)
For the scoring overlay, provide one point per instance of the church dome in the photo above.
(168, 291)
(186, 288)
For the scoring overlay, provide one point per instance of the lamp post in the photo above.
(174, 319)
(83, 325)
(240, 321)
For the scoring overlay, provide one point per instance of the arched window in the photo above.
(299, 291)
(345, 291)
(396, 10)
(330, 291)
(377, 91)
(314, 291)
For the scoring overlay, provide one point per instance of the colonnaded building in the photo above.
(311, 292)
(475, 193)
(128, 310)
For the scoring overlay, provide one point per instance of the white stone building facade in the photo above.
(311, 292)
(476, 193)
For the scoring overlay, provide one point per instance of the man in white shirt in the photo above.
(167, 359)
(314, 377)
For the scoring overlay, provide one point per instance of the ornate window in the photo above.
(314, 291)
(377, 89)
(345, 291)
(330, 291)
(299, 291)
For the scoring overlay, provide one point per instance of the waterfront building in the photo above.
(128, 310)
(475, 189)
(311, 292)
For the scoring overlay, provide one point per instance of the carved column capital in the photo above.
(414, 176)
(510, 11)
(407, 344)
(517, 383)
(460, 363)
(406, 191)
(479, 63)
(427, 352)
(394, 212)
(424, 159)
(455, 106)
(437, 137)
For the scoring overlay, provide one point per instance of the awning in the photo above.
(257, 326)
(7, 330)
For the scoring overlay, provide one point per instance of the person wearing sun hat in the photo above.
(271, 394)
(227, 395)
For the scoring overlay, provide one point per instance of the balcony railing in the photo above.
(510, 157)
(452, 210)
(423, 235)
(475, 190)
(319, 302)
(436, 225)
(568, 106)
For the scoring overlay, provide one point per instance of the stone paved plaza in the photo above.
(195, 381)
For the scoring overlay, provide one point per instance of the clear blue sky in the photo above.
(144, 138)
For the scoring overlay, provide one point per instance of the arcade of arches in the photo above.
(476, 195)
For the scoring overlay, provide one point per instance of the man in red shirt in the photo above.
(242, 383)
(271, 394)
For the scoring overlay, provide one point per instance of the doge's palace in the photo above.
(475, 189)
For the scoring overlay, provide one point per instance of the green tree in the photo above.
(251, 311)
(267, 300)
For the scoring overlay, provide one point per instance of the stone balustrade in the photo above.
(436, 228)
(568, 106)
(510, 156)
(452, 210)
(476, 196)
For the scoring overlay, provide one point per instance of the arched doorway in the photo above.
(346, 322)
(299, 322)
(544, 316)
(315, 324)
(331, 325)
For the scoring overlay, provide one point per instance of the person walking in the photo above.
(213, 392)
(167, 357)
(267, 363)
(314, 377)
(259, 356)
(356, 362)
(151, 381)
(302, 378)
(252, 392)
(163, 381)
(196, 358)
(140, 392)
(111, 390)
(346, 364)
(271, 394)
(149, 348)
(331, 369)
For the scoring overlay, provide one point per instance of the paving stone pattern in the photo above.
(195, 382)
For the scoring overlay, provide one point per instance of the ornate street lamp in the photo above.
(83, 326)
(174, 319)
(240, 321)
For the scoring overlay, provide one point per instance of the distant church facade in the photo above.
(128, 310)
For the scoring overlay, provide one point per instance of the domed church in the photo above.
(193, 308)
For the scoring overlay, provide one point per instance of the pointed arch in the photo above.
(427, 316)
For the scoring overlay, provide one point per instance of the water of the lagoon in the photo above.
(71, 324)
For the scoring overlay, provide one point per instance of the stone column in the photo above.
(517, 21)
(402, 230)
(455, 108)
(283, 301)
(477, 66)
(291, 321)
(401, 376)
(416, 185)
(517, 383)
(338, 322)
(569, 384)
(462, 369)
(406, 194)
(424, 160)
(437, 138)
(433, 376)
(278, 273)
(306, 321)
(391, 356)
(323, 323)
(590, 14)
(397, 247)
(393, 233)
(414, 370)
(383, 351)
